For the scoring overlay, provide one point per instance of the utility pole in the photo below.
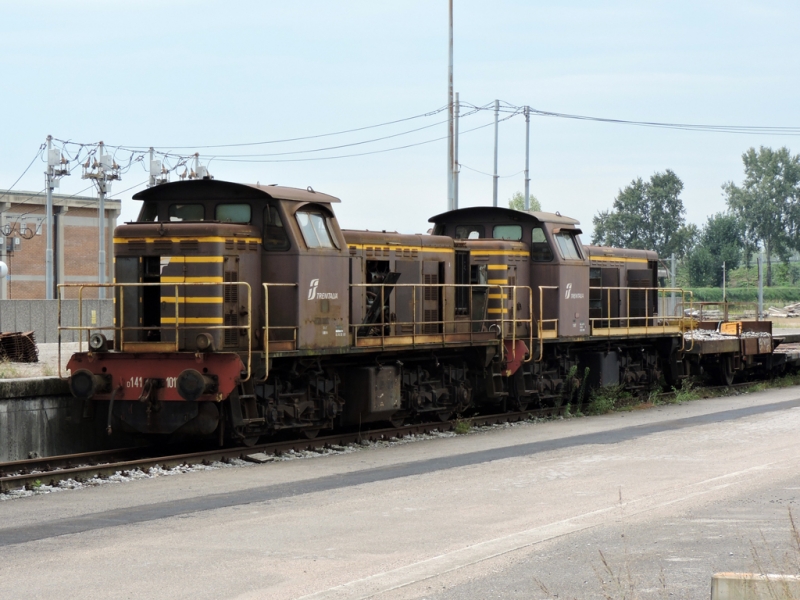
(496, 121)
(527, 158)
(724, 297)
(451, 167)
(760, 261)
(103, 171)
(52, 177)
(672, 284)
(456, 166)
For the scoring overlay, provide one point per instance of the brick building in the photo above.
(75, 242)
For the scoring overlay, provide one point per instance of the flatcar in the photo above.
(245, 310)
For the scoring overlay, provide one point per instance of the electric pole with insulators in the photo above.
(103, 170)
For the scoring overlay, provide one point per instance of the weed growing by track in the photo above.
(8, 370)
(462, 426)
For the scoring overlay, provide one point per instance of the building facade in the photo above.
(75, 242)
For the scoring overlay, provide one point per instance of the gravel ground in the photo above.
(673, 493)
(47, 365)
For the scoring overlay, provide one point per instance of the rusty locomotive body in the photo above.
(244, 310)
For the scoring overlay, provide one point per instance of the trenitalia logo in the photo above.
(313, 294)
(568, 294)
(312, 289)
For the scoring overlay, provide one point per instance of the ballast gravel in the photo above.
(157, 471)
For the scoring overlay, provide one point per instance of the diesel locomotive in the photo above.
(245, 310)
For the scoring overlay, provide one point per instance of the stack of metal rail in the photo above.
(18, 347)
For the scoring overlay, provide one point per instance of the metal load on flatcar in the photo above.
(244, 310)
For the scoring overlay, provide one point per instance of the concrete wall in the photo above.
(35, 420)
(41, 316)
(754, 586)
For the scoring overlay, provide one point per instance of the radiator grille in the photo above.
(231, 335)
(431, 293)
(231, 291)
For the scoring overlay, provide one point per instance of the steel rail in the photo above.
(50, 470)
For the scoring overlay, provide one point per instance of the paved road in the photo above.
(668, 495)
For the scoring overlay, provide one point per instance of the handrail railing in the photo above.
(120, 328)
(727, 309)
(504, 292)
(267, 326)
(624, 326)
(541, 321)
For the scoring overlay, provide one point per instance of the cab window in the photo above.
(567, 246)
(187, 212)
(148, 212)
(274, 234)
(233, 213)
(469, 232)
(507, 232)
(314, 228)
(540, 249)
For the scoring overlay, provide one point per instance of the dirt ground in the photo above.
(47, 365)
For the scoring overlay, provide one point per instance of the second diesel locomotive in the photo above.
(245, 310)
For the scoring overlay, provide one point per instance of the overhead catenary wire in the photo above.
(33, 160)
(490, 174)
(296, 139)
(174, 160)
(361, 153)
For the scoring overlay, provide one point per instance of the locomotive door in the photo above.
(431, 294)
(604, 299)
(641, 302)
(405, 301)
(138, 307)
(462, 295)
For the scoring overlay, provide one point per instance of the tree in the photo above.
(517, 202)
(768, 202)
(648, 216)
(720, 241)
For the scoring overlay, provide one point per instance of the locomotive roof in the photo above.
(181, 189)
(475, 211)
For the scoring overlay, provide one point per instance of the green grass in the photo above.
(777, 295)
(605, 399)
(8, 370)
(686, 393)
(462, 426)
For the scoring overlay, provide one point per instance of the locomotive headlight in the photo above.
(205, 343)
(98, 342)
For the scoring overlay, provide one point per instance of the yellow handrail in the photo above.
(120, 329)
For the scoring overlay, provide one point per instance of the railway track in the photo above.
(104, 463)
(81, 467)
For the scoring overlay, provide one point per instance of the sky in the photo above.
(180, 76)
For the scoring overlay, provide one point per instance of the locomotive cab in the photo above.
(547, 256)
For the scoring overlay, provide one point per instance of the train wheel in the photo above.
(310, 434)
(250, 441)
(444, 416)
(724, 372)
